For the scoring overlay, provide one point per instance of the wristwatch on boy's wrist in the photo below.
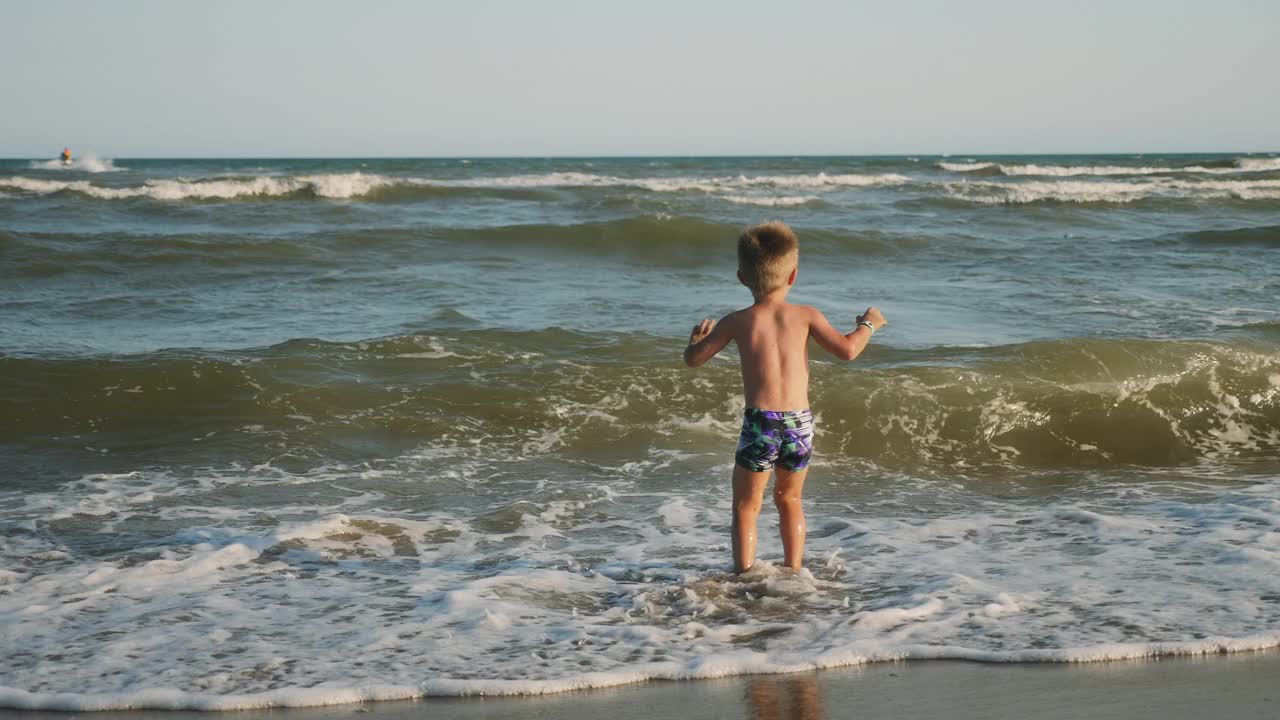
(870, 327)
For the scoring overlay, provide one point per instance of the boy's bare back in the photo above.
(772, 337)
(773, 347)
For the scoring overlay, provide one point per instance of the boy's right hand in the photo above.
(700, 331)
(873, 316)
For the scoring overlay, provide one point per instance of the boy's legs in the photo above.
(786, 495)
(748, 494)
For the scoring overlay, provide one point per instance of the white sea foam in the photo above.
(814, 181)
(344, 185)
(271, 586)
(718, 665)
(1241, 165)
(1075, 170)
(352, 185)
(823, 180)
(334, 186)
(966, 166)
(773, 201)
(1087, 191)
(755, 190)
(1256, 164)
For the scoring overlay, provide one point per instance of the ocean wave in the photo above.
(51, 254)
(1252, 164)
(765, 190)
(362, 185)
(666, 241)
(972, 166)
(1089, 191)
(774, 201)
(648, 241)
(654, 241)
(1238, 166)
(813, 181)
(1262, 235)
(823, 180)
(1263, 329)
(1069, 403)
(333, 186)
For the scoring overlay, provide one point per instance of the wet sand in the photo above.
(1229, 686)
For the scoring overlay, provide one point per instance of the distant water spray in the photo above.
(87, 162)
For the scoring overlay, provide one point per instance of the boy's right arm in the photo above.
(845, 347)
(708, 338)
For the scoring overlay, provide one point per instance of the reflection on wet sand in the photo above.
(792, 698)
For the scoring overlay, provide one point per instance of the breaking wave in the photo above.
(1238, 166)
(1069, 403)
(781, 201)
(763, 190)
(344, 185)
(1091, 191)
(375, 186)
(709, 184)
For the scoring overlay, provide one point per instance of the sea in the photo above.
(305, 432)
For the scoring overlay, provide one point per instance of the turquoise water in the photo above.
(438, 404)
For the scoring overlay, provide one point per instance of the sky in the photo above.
(135, 78)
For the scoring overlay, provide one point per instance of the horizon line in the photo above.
(484, 156)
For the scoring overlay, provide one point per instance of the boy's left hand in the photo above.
(701, 331)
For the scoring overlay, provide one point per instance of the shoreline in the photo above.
(1237, 685)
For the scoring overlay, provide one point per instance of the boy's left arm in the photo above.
(844, 346)
(708, 338)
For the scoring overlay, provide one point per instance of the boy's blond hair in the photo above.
(766, 255)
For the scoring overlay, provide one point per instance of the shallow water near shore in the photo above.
(305, 432)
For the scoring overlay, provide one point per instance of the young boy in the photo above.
(777, 427)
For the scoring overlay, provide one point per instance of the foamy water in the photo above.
(349, 583)
(1240, 165)
(1077, 191)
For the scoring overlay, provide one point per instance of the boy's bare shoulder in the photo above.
(732, 323)
(808, 312)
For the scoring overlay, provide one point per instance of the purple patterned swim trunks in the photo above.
(775, 437)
